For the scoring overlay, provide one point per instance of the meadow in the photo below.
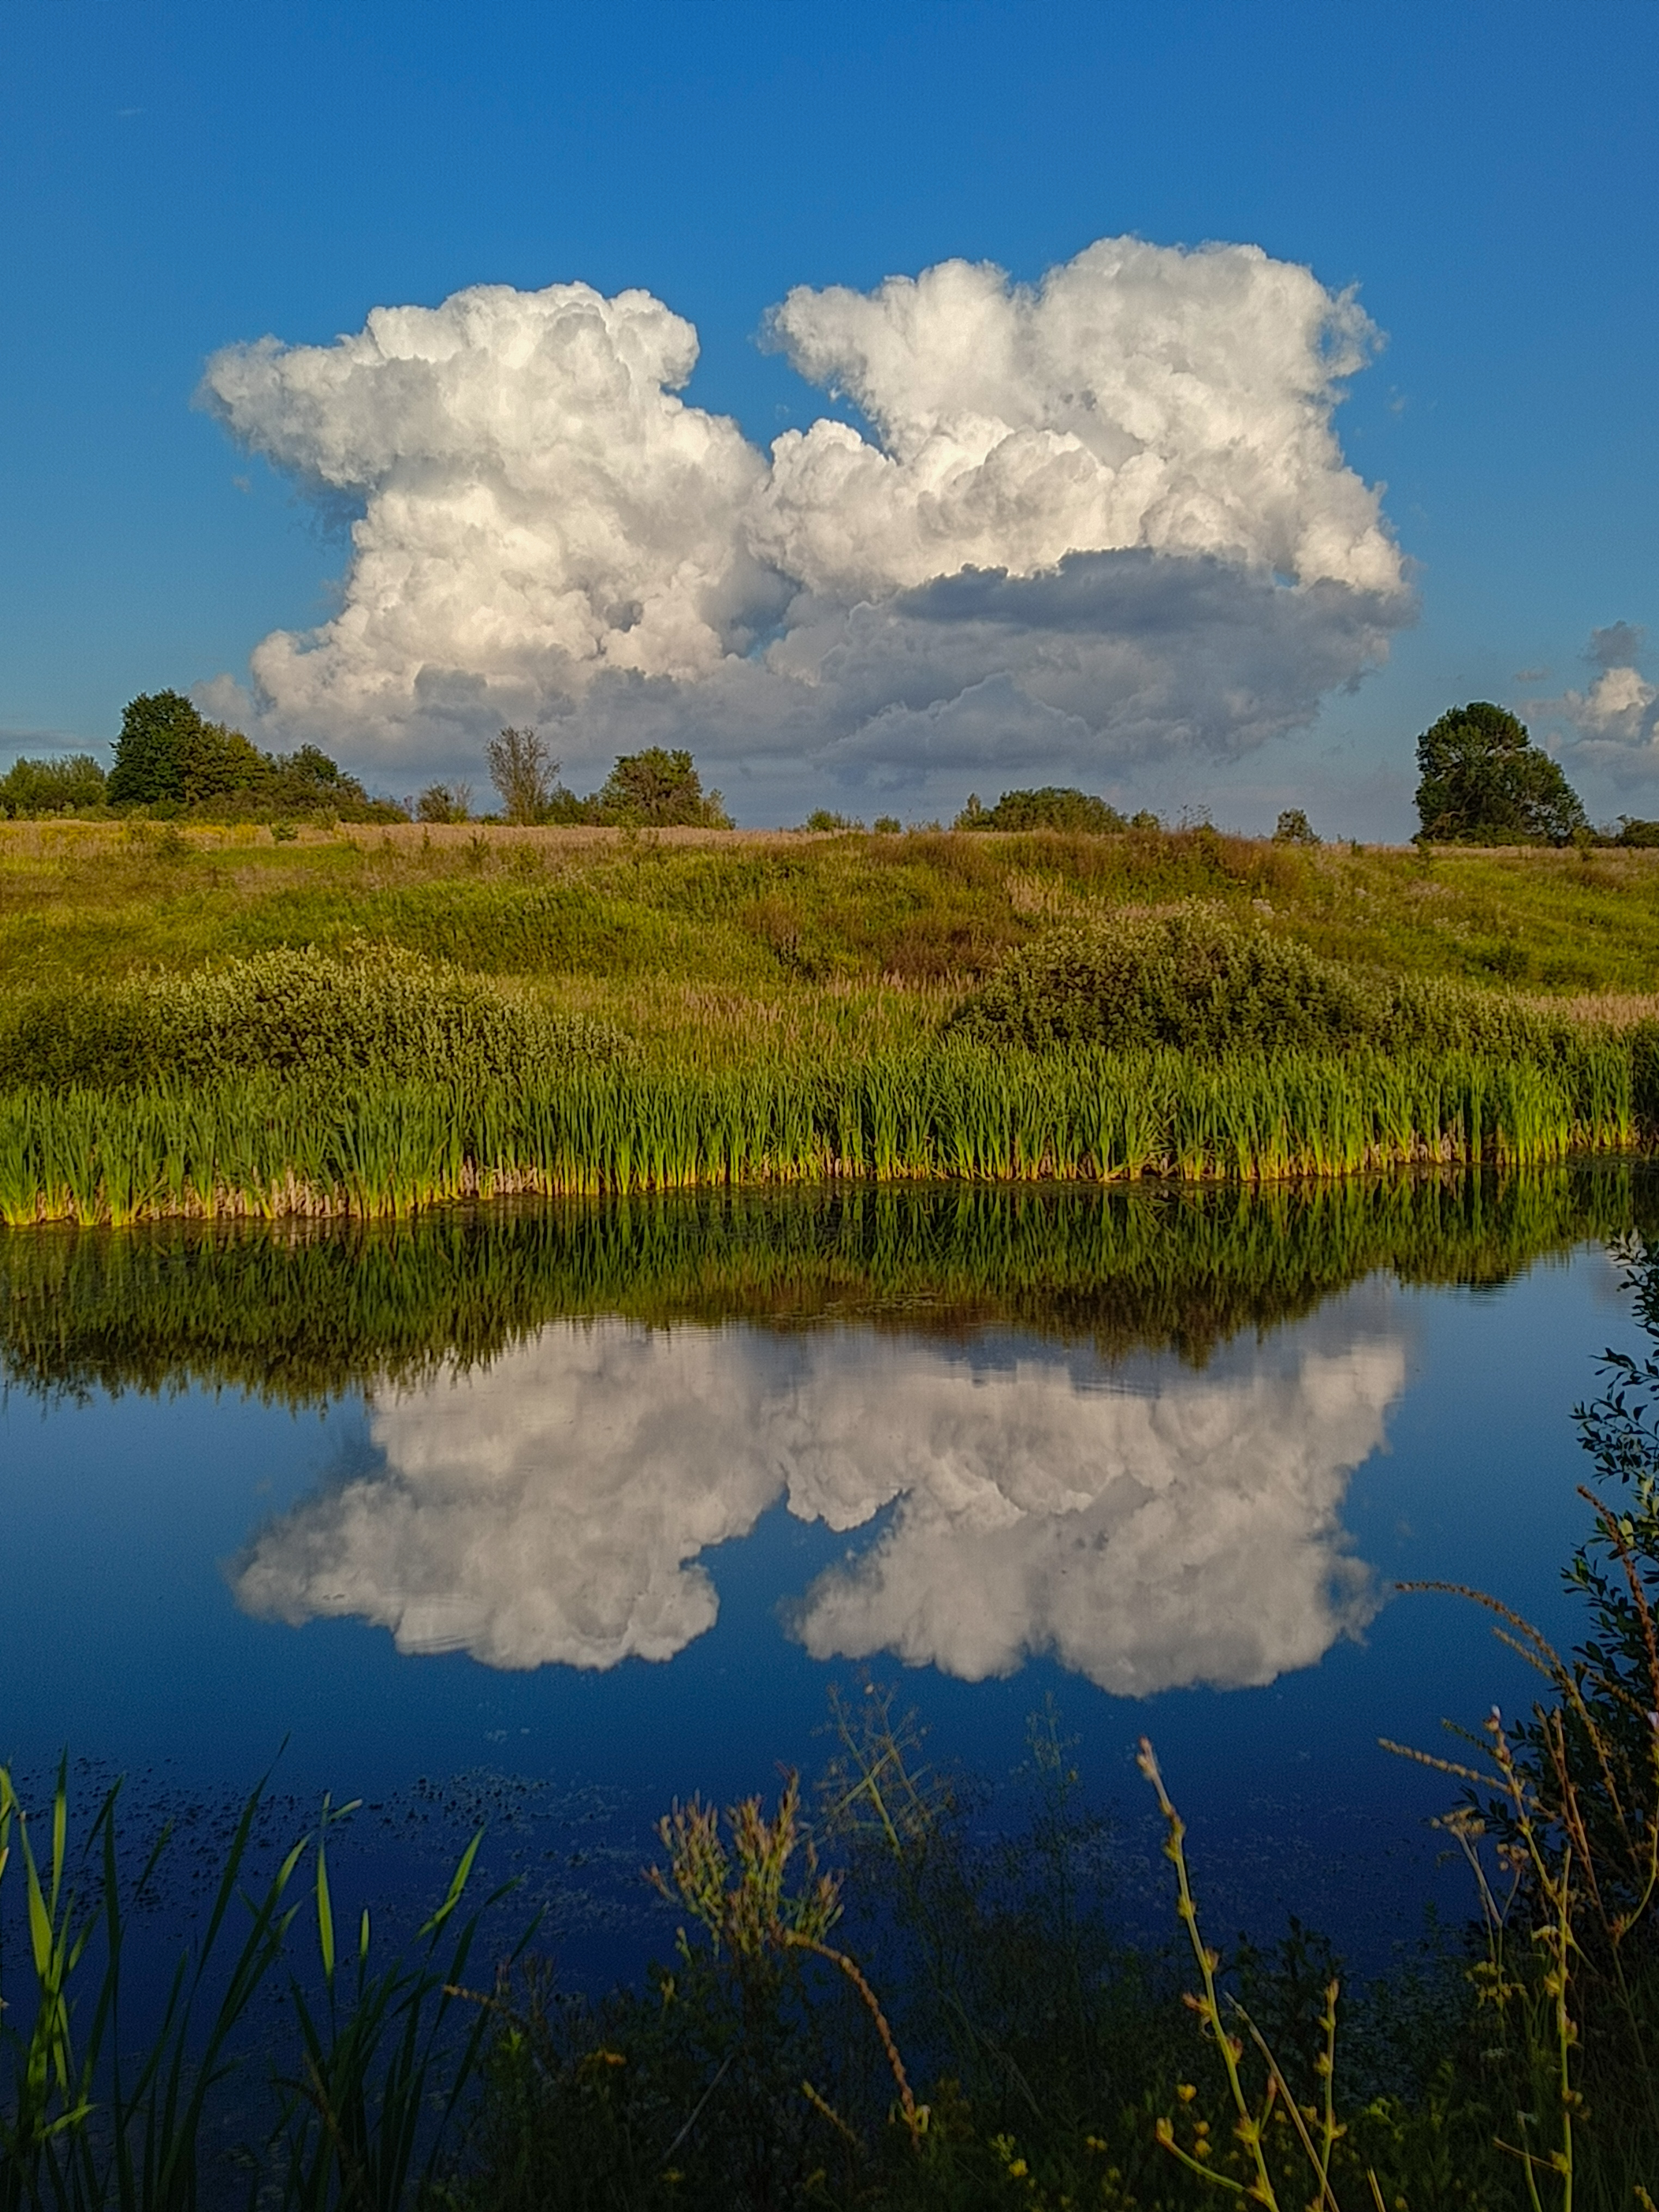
(225, 1021)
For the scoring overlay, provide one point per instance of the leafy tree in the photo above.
(445, 802)
(168, 757)
(1295, 828)
(1054, 807)
(888, 825)
(148, 769)
(31, 787)
(1483, 782)
(659, 789)
(821, 818)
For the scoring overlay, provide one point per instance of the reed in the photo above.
(88, 2120)
(266, 1144)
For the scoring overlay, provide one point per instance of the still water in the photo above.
(552, 1515)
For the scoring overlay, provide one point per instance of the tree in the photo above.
(1054, 807)
(658, 789)
(168, 757)
(31, 787)
(148, 769)
(1483, 782)
(1294, 829)
(522, 771)
(445, 802)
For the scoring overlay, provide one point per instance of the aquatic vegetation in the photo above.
(378, 2061)
(264, 1146)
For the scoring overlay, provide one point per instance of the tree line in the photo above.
(658, 788)
(1481, 781)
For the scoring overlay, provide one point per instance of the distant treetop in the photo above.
(655, 789)
(1054, 807)
(167, 757)
(1483, 782)
(30, 788)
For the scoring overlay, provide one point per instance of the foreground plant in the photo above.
(1316, 2129)
(86, 2125)
(750, 1913)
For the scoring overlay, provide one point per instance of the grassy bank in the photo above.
(261, 1145)
(659, 928)
(208, 1023)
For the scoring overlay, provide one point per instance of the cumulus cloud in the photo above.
(1107, 514)
(556, 1507)
(1616, 718)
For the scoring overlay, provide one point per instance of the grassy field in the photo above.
(590, 1010)
(715, 943)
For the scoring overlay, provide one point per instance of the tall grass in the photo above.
(88, 2121)
(264, 1147)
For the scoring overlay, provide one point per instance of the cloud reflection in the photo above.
(1173, 1527)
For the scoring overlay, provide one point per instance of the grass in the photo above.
(208, 1023)
(769, 915)
(263, 1146)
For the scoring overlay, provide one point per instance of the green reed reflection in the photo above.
(299, 1311)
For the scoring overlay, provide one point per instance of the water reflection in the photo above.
(1150, 1525)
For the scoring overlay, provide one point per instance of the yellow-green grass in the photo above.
(709, 943)
(266, 1144)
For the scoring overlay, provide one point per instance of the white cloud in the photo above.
(556, 1507)
(1117, 496)
(1616, 720)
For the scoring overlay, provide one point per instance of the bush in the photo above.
(386, 1012)
(1054, 807)
(1196, 980)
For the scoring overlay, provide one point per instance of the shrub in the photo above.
(31, 787)
(445, 802)
(1195, 980)
(1054, 807)
(385, 1012)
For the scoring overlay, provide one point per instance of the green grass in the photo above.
(211, 1022)
(770, 914)
(266, 1146)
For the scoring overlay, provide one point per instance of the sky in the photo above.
(1187, 402)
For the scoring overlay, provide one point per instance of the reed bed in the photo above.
(264, 1146)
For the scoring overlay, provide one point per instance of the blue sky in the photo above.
(176, 180)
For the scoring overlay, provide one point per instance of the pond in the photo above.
(550, 1514)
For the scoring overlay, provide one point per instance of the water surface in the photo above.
(556, 1513)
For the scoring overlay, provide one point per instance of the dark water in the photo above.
(549, 1515)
